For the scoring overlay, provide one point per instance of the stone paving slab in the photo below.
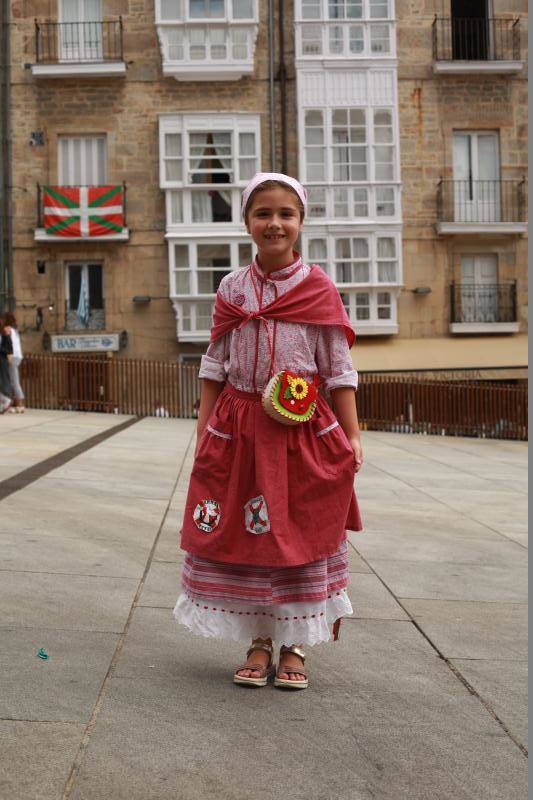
(37, 758)
(409, 733)
(73, 602)
(76, 554)
(450, 581)
(61, 689)
(386, 716)
(37, 435)
(480, 546)
(472, 629)
(504, 686)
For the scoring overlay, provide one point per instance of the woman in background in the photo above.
(14, 363)
(6, 354)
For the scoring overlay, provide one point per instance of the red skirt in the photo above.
(267, 494)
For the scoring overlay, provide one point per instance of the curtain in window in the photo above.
(220, 145)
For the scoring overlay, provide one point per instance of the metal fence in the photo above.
(78, 42)
(476, 39)
(402, 404)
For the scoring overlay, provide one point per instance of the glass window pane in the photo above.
(360, 272)
(386, 247)
(311, 9)
(200, 9)
(173, 170)
(336, 40)
(96, 289)
(385, 203)
(183, 282)
(356, 39)
(316, 202)
(311, 40)
(181, 255)
(379, 9)
(176, 210)
(245, 254)
(318, 250)
(74, 285)
(204, 319)
(360, 203)
(354, 9)
(342, 248)
(173, 144)
(340, 199)
(209, 281)
(171, 9)
(360, 248)
(362, 305)
(176, 51)
(387, 271)
(243, 9)
(213, 255)
(379, 39)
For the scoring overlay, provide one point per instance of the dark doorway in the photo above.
(470, 30)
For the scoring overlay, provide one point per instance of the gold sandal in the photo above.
(284, 683)
(264, 672)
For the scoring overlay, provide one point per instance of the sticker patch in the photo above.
(239, 299)
(207, 515)
(256, 518)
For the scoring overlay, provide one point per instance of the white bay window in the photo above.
(367, 271)
(349, 145)
(333, 29)
(205, 162)
(207, 39)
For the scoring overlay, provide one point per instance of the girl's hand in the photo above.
(355, 443)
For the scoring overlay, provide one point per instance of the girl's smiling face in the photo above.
(273, 220)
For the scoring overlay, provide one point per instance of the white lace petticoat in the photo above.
(285, 623)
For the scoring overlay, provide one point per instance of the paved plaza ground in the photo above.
(423, 698)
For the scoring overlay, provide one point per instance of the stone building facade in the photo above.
(409, 131)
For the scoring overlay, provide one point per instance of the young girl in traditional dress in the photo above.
(271, 490)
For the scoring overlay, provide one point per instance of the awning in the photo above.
(488, 356)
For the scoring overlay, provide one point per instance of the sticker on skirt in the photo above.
(207, 515)
(256, 515)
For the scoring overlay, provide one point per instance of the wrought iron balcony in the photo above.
(483, 303)
(495, 206)
(462, 44)
(65, 48)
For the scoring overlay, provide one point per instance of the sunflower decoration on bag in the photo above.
(290, 398)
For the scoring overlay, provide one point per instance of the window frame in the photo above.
(92, 309)
(85, 166)
(370, 145)
(186, 124)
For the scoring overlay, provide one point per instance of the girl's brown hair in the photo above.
(263, 187)
(9, 319)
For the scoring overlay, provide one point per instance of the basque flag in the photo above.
(83, 211)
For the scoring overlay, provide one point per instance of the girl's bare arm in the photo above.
(208, 397)
(346, 411)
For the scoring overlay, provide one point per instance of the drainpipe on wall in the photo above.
(271, 85)
(282, 87)
(6, 252)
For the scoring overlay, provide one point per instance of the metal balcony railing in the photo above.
(481, 202)
(487, 303)
(78, 42)
(465, 39)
